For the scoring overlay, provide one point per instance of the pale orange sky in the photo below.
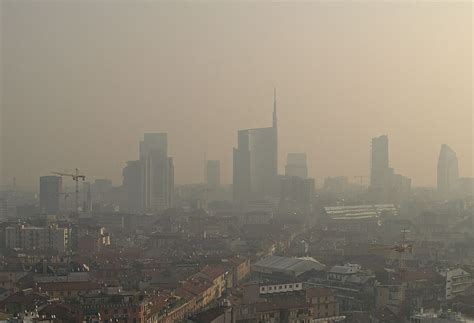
(82, 81)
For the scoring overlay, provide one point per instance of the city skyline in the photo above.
(331, 98)
(236, 161)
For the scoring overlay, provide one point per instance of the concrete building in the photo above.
(336, 184)
(448, 172)
(255, 169)
(379, 168)
(385, 184)
(132, 186)
(213, 174)
(297, 194)
(296, 165)
(275, 268)
(3, 207)
(37, 238)
(457, 282)
(157, 173)
(50, 193)
(102, 189)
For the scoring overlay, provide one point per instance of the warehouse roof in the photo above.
(293, 266)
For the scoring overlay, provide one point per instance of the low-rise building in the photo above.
(457, 282)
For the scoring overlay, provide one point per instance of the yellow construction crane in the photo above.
(401, 248)
(75, 177)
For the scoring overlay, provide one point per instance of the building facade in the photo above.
(255, 169)
(447, 170)
(213, 173)
(50, 193)
(385, 184)
(157, 173)
(296, 165)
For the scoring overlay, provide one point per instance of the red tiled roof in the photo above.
(195, 286)
(213, 272)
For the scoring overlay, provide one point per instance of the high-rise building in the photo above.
(336, 184)
(87, 199)
(380, 170)
(132, 186)
(255, 169)
(297, 194)
(3, 205)
(448, 172)
(385, 184)
(157, 173)
(296, 165)
(213, 173)
(50, 192)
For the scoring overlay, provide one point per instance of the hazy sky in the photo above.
(83, 80)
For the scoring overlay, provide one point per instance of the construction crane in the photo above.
(400, 248)
(75, 177)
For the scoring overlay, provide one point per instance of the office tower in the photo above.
(213, 173)
(296, 194)
(448, 173)
(255, 169)
(50, 192)
(132, 186)
(385, 184)
(296, 165)
(157, 173)
(337, 184)
(87, 197)
(3, 206)
(380, 171)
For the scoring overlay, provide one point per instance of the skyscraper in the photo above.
(50, 192)
(297, 194)
(255, 171)
(448, 172)
(380, 170)
(385, 184)
(132, 186)
(157, 173)
(296, 165)
(213, 173)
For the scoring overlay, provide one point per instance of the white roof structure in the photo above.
(288, 266)
(355, 212)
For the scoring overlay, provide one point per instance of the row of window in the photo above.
(280, 287)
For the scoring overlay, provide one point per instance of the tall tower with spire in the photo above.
(255, 169)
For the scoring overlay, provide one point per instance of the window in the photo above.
(124, 311)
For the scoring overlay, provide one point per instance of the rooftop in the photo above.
(297, 266)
